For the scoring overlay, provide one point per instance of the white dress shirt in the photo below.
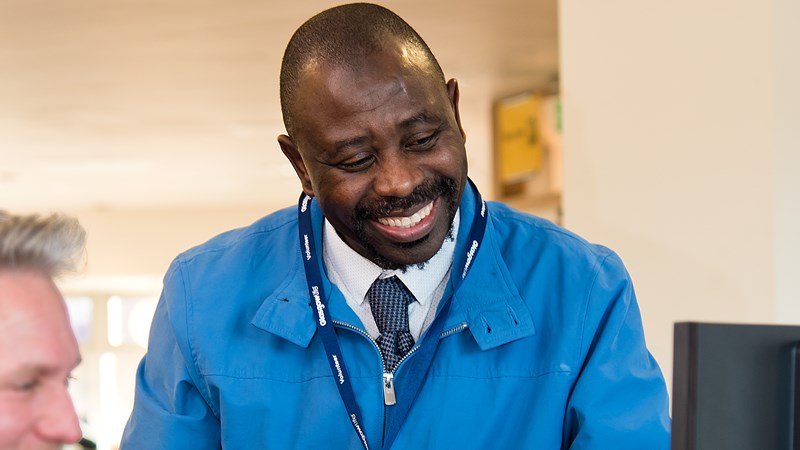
(353, 274)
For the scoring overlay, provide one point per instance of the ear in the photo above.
(289, 149)
(452, 92)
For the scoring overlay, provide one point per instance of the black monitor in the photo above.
(735, 387)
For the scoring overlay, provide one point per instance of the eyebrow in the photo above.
(352, 142)
(43, 369)
(420, 117)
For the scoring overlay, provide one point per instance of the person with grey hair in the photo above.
(392, 308)
(38, 349)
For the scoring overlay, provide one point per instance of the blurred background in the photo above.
(667, 131)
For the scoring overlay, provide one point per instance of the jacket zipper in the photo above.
(456, 329)
(389, 397)
(443, 334)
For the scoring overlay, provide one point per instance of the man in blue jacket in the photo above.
(392, 308)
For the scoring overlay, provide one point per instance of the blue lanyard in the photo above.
(421, 360)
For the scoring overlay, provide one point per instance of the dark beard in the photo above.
(425, 193)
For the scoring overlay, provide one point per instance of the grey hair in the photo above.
(52, 244)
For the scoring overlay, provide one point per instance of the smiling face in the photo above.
(37, 353)
(382, 149)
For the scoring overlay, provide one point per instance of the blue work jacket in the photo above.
(543, 348)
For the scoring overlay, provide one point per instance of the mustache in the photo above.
(424, 193)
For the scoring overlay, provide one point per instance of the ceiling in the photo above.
(116, 104)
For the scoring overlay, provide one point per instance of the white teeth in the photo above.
(407, 222)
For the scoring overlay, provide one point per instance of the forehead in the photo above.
(392, 85)
(34, 323)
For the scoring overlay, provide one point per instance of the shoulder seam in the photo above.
(196, 366)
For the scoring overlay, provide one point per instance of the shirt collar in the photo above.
(358, 273)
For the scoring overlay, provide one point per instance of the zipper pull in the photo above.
(388, 389)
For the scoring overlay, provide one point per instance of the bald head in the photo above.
(345, 36)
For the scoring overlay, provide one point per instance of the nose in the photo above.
(398, 174)
(59, 422)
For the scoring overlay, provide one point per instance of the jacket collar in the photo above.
(487, 301)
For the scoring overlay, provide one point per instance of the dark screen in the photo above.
(734, 387)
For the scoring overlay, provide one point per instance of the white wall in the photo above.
(129, 250)
(787, 161)
(677, 136)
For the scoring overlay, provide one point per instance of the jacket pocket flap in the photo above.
(287, 318)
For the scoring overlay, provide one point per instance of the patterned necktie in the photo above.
(389, 299)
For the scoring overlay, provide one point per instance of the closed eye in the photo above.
(359, 164)
(26, 385)
(423, 142)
